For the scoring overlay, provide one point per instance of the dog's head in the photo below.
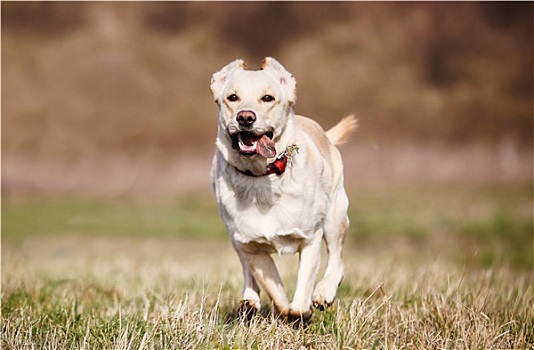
(254, 108)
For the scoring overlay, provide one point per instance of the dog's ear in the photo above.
(221, 77)
(286, 79)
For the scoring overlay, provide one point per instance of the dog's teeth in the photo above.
(247, 148)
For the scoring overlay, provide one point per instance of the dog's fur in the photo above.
(287, 213)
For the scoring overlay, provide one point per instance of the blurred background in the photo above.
(111, 99)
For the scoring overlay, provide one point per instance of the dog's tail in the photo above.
(340, 133)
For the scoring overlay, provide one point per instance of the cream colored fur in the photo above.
(289, 213)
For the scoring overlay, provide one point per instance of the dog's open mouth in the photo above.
(249, 144)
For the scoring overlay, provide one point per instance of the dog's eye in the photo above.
(232, 98)
(267, 98)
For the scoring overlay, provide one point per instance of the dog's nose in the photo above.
(246, 118)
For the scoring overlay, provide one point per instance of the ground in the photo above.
(426, 268)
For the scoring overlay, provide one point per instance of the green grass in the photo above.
(491, 224)
(447, 267)
(187, 217)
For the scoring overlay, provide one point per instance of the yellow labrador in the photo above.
(278, 181)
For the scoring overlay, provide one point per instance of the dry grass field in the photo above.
(427, 268)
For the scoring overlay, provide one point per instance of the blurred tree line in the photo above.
(124, 75)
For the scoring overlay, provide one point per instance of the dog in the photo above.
(278, 181)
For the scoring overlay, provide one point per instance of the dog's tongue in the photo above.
(266, 147)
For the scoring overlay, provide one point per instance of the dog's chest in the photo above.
(274, 211)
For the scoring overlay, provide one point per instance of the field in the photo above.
(112, 240)
(435, 267)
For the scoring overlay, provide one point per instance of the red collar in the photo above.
(277, 167)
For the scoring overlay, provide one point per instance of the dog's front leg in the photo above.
(310, 256)
(250, 303)
(264, 271)
(336, 228)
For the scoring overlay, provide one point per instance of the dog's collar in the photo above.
(277, 167)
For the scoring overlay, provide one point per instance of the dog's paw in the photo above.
(321, 304)
(247, 309)
(322, 299)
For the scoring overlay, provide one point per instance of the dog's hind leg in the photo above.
(336, 228)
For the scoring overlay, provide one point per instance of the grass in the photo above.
(129, 274)
(432, 313)
(491, 224)
(186, 217)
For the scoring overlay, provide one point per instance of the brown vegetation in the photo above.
(93, 83)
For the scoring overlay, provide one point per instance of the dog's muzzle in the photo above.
(249, 144)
